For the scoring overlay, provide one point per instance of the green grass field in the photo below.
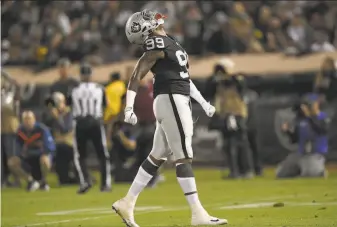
(245, 203)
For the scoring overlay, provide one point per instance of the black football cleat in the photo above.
(44, 187)
(106, 189)
(84, 189)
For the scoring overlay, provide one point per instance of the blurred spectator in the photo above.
(310, 132)
(178, 32)
(262, 23)
(250, 97)
(231, 120)
(300, 35)
(326, 80)
(5, 45)
(35, 146)
(65, 83)
(269, 31)
(124, 143)
(124, 139)
(321, 43)
(224, 66)
(9, 124)
(62, 129)
(194, 27)
(114, 92)
(222, 41)
(276, 40)
(146, 119)
(243, 28)
(15, 40)
(43, 31)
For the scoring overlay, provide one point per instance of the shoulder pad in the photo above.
(155, 43)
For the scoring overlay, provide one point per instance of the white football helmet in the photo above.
(141, 24)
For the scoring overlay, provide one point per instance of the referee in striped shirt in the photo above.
(88, 102)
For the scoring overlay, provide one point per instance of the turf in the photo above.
(245, 203)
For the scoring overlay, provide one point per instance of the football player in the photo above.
(172, 90)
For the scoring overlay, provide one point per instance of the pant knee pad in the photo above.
(150, 167)
(184, 170)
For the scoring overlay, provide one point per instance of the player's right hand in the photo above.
(129, 116)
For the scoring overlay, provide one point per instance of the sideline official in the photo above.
(88, 102)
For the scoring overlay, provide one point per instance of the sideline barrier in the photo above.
(265, 65)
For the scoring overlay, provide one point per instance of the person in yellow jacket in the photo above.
(114, 92)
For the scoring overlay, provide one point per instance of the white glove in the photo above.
(208, 108)
(129, 116)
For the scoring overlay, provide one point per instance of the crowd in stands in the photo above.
(41, 32)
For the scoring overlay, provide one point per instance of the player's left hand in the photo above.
(129, 116)
(208, 108)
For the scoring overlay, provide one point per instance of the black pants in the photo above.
(255, 153)
(237, 153)
(236, 147)
(63, 163)
(89, 129)
(33, 166)
(7, 151)
(122, 173)
(4, 166)
(144, 141)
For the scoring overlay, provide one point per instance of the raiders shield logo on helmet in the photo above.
(135, 27)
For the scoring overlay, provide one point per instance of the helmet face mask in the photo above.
(141, 24)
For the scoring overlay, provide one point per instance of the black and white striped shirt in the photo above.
(88, 99)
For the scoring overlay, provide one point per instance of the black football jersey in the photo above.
(171, 72)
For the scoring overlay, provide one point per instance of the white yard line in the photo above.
(65, 212)
(61, 221)
(103, 210)
(155, 209)
(98, 217)
(98, 210)
(270, 204)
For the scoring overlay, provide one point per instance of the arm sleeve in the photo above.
(48, 141)
(195, 94)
